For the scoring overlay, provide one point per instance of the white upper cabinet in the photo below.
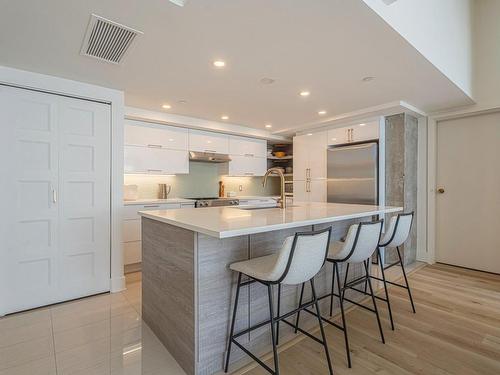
(309, 156)
(356, 133)
(150, 160)
(139, 133)
(241, 165)
(247, 147)
(203, 141)
(155, 149)
(248, 156)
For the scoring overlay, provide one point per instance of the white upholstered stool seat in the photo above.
(298, 260)
(359, 245)
(262, 268)
(396, 234)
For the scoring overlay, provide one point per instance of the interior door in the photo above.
(29, 223)
(84, 197)
(55, 163)
(468, 206)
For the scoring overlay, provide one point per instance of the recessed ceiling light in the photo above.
(309, 133)
(305, 93)
(219, 64)
(268, 126)
(368, 79)
(166, 106)
(267, 81)
(224, 117)
(321, 113)
(362, 124)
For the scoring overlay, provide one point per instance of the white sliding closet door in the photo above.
(55, 189)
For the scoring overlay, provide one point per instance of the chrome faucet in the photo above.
(279, 172)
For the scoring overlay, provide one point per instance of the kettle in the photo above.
(164, 191)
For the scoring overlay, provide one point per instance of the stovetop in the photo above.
(214, 201)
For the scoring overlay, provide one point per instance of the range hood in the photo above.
(208, 157)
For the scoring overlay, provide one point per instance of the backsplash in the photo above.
(202, 181)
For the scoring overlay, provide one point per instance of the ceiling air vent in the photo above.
(107, 40)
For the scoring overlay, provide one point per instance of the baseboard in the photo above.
(118, 284)
(134, 267)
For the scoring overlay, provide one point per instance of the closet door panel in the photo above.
(28, 228)
(84, 183)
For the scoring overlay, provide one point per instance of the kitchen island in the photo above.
(188, 289)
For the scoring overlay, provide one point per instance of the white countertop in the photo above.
(158, 201)
(224, 222)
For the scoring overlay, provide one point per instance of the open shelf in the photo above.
(288, 157)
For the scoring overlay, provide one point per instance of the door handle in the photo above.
(54, 196)
(440, 190)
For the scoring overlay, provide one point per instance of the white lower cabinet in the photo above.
(131, 228)
(310, 191)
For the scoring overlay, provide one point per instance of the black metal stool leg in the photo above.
(381, 263)
(228, 354)
(272, 323)
(300, 304)
(278, 322)
(344, 324)
(374, 303)
(406, 280)
(320, 321)
(334, 265)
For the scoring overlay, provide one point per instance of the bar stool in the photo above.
(397, 233)
(360, 243)
(300, 258)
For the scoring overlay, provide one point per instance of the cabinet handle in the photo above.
(154, 170)
(249, 155)
(352, 135)
(154, 146)
(249, 173)
(308, 173)
(54, 196)
(152, 206)
(212, 151)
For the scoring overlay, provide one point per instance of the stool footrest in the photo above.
(253, 356)
(277, 319)
(392, 265)
(389, 282)
(303, 331)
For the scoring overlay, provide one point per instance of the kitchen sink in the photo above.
(248, 208)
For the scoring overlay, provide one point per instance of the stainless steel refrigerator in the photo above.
(353, 173)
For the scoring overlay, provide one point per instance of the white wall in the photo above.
(441, 30)
(486, 38)
(56, 85)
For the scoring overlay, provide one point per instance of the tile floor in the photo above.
(101, 335)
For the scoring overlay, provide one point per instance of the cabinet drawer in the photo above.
(131, 230)
(247, 146)
(131, 212)
(132, 252)
(138, 133)
(208, 142)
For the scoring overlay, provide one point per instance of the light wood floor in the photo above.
(456, 330)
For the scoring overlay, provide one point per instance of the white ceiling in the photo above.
(324, 46)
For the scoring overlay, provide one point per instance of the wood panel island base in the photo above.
(188, 289)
